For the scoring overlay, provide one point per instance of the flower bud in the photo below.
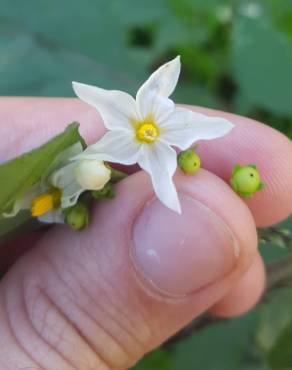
(78, 216)
(92, 174)
(246, 180)
(107, 192)
(189, 161)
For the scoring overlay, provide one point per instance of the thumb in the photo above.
(100, 299)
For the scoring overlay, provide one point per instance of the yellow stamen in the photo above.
(45, 202)
(146, 130)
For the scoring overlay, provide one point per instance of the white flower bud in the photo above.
(92, 174)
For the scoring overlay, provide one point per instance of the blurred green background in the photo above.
(236, 55)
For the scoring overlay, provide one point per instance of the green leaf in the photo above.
(262, 59)
(280, 356)
(41, 53)
(157, 360)
(21, 223)
(274, 317)
(219, 347)
(18, 175)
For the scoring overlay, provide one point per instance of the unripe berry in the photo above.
(246, 180)
(189, 161)
(78, 216)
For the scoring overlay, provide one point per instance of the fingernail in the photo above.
(179, 254)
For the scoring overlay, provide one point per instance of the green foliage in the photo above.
(274, 318)
(262, 59)
(280, 356)
(219, 347)
(157, 360)
(236, 54)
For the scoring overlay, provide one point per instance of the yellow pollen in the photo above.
(44, 203)
(147, 132)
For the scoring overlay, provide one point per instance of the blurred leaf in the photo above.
(134, 12)
(274, 317)
(280, 356)
(270, 251)
(188, 93)
(219, 347)
(262, 59)
(18, 175)
(254, 367)
(18, 225)
(28, 68)
(157, 360)
(281, 13)
(46, 45)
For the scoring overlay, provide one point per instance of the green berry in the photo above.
(246, 180)
(78, 216)
(189, 161)
(107, 192)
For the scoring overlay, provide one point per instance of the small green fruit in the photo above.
(246, 180)
(78, 216)
(107, 192)
(189, 161)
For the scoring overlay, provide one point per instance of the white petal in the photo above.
(156, 106)
(54, 217)
(65, 179)
(116, 108)
(159, 161)
(183, 127)
(52, 176)
(64, 176)
(114, 146)
(161, 83)
(71, 195)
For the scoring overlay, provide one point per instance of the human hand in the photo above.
(102, 298)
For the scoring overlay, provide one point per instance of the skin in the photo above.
(103, 328)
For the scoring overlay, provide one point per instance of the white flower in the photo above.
(79, 176)
(143, 130)
(92, 174)
(61, 185)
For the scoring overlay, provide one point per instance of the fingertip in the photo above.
(251, 142)
(245, 294)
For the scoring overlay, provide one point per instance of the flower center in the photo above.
(44, 203)
(147, 132)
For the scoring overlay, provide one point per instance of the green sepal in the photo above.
(107, 192)
(235, 169)
(233, 184)
(117, 175)
(262, 186)
(246, 195)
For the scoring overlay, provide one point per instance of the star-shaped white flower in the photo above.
(144, 130)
